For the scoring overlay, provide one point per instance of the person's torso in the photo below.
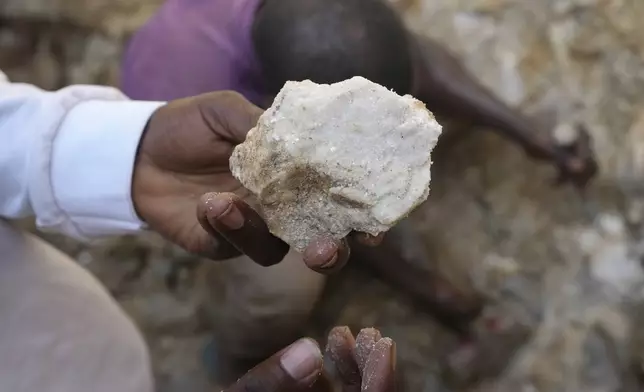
(190, 47)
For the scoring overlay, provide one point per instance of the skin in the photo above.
(448, 90)
(182, 168)
(401, 260)
(372, 371)
(364, 363)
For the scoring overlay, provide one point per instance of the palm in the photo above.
(182, 185)
(365, 363)
(184, 154)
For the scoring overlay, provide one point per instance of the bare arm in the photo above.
(448, 89)
(401, 260)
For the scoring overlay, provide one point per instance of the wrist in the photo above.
(141, 176)
(141, 162)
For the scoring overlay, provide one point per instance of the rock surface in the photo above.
(327, 159)
(491, 219)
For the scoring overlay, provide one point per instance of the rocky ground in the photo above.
(562, 271)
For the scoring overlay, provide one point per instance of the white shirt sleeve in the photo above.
(67, 157)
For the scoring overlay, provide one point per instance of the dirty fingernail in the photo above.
(225, 212)
(302, 360)
(330, 262)
(378, 372)
(324, 252)
(365, 342)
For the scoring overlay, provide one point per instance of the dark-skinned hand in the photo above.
(366, 363)
(182, 168)
(576, 161)
(447, 87)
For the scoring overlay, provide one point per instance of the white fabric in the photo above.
(67, 156)
(61, 331)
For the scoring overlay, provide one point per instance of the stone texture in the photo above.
(328, 159)
(492, 222)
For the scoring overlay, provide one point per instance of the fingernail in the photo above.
(226, 213)
(331, 262)
(365, 343)
(323, 249)
(302, 360)
(378, 371)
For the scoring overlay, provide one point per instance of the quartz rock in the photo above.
(324, 160)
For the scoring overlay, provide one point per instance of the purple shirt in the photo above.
(191, 47)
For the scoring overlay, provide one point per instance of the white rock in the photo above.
(328, 159)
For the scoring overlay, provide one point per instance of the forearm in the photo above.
(67, 157)
(490, 113)
(403, 262)
(450, 90)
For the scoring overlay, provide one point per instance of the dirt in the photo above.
(562, 273)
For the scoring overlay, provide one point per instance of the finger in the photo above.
(452, 307)
(368, 239)
(365, 342)
(211, 244)
(293, 369)
(326, 255)
(379, 371)
(322, 384)
(241, 226)
(583, 140)
(229, 112)
(340, 347)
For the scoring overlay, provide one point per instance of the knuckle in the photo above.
(229, 97)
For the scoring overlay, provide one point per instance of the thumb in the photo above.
(293, 369)
(229, 113)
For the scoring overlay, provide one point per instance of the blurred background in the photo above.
(562, 271)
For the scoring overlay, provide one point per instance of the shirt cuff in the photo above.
(92, 165)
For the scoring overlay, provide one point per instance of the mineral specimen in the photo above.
(326, 159)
